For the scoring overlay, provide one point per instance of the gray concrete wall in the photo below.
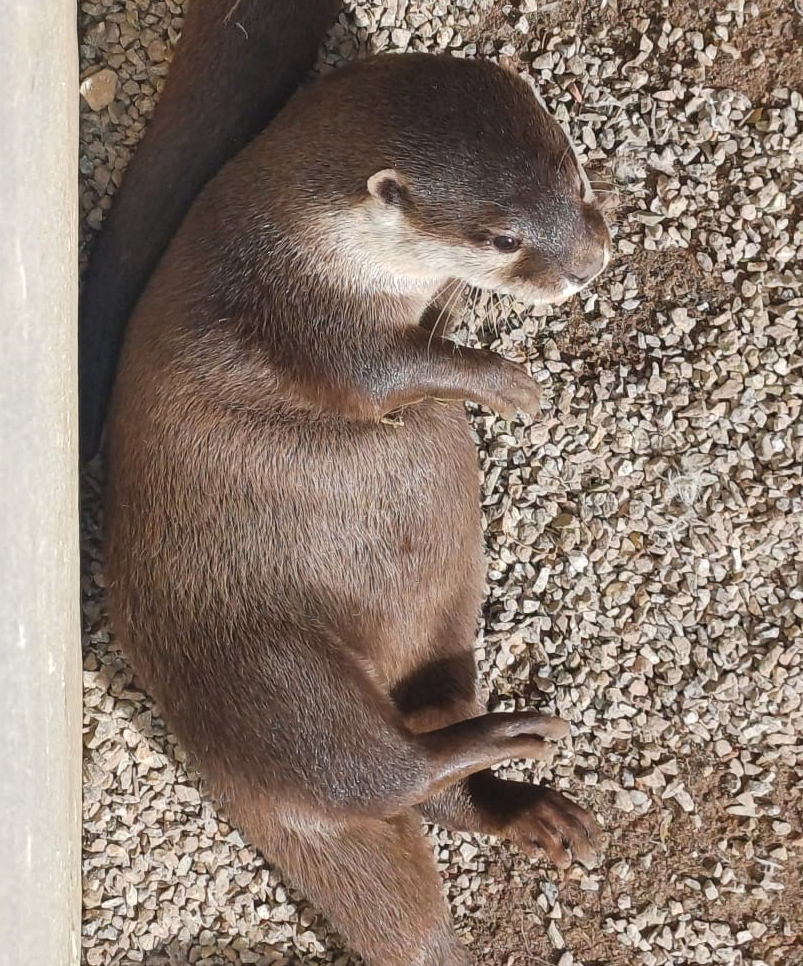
(40, 700)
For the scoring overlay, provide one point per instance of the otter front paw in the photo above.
(518, 392)
(546, 820)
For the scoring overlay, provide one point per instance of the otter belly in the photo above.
(370, 533)
(388, 534)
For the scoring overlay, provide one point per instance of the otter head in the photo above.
(479, 182)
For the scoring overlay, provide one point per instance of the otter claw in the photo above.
(558, 827)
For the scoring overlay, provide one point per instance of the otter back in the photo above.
(236, 64)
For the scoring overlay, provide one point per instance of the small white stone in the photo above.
(400, 37)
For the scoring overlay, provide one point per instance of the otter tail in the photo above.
(237, 63)
(375, 880)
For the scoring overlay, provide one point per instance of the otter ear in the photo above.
(389, 188)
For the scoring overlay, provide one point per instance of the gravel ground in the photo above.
(645, 536)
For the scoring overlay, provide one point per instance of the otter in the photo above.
(296, 577)
(236, 65)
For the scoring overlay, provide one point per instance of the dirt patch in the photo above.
(765, 52)
(770, 47)
(664, 279)
(510, 929)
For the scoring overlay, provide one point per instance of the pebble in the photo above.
(99, 89)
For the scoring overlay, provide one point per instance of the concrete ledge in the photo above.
(40, 668)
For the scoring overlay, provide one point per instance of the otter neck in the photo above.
(328, 253)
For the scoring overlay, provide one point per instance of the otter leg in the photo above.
(408, 366)
(315, 724)
(423, 365)
(412, 365)
(457, 750)
(531, 816)
(375, 880)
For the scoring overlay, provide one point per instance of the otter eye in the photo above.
(506, 243)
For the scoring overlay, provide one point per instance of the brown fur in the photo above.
(296, 579)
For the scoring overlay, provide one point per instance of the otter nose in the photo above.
(591, 265)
